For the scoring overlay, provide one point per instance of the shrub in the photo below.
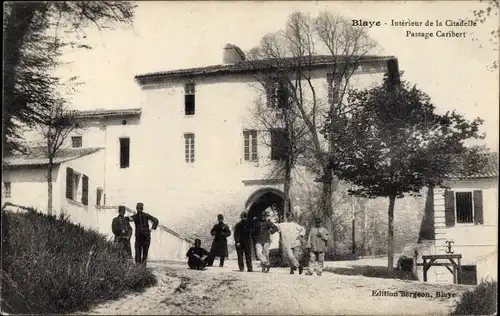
(480, 301)
(50, 265)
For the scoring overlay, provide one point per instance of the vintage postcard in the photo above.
(250, 157)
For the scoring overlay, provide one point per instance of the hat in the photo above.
(121, 208)
(220, 216)
(141, 205)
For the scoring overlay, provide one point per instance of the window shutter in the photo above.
(69, 183)
(449, 208)
(85, 190)
(478, 207)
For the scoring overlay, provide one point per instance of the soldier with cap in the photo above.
(220, 231)
(142, 233)
(243, 242)
(123, 231)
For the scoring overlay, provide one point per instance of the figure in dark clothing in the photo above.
(263, 229)
(220, 231)
(243, 242)
(123, 231)
(195, 256)
(142, 233)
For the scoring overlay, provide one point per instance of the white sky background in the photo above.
(175, 35)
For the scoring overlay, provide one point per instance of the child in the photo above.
(195, 256)
(316, 244)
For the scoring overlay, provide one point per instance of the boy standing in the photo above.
(316, 243)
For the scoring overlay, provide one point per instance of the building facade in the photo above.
(464, 221)
(191, 150)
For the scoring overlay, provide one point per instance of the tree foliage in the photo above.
(35, 35)
(290, 57)
(393, 143)
(489, 11)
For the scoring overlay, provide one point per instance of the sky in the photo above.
(183, 34)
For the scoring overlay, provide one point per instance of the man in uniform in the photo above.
(220, 231)
(123, 231)
(142, 233)
(243, 242)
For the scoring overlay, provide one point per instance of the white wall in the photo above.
(92, 166)
(29, 187)
(180, 191)
(478, 244)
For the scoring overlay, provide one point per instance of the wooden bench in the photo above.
(456, 269)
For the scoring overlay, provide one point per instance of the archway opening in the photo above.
(257, 203)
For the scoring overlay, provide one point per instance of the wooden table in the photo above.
(456, 269)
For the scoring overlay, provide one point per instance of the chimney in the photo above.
(232, 54)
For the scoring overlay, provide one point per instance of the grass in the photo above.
(51, 265)
(480, 301)
(372, 272)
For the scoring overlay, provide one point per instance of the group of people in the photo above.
(256, 233)
(123, 232)
(249, 233)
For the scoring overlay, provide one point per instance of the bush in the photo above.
(50, 265)
(480, 301)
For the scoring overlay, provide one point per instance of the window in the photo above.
(7, 190)
(250, 145)
(98, 196)
(189, 147)
(77, 185)
(464, 206)
(124, 152)
(189, 99)
(76, 141)
(279, 144)
(277, 94)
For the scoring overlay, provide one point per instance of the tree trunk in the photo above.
(49, 186)
(365, 227)
(286, 190)
(390, 234)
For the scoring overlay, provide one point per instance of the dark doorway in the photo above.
(261, 201)
(468, 275)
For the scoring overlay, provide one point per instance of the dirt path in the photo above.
(227, 291)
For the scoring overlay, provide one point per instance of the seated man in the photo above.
(196, 256)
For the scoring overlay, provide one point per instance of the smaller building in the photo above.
(462, 219)
(76, 189)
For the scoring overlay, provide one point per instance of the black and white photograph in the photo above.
(250, 157)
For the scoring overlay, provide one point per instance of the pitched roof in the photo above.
(488, 170)
(248, 66)
(37, 156)
(101, 113)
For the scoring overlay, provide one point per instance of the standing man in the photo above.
(292, 235)
(263, 230)
(142, 233)
(123, 231)
(243, 242)
(318, 237)
(220, 231)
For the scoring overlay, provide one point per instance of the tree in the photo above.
(393, 143)
(292, 55)
(32, 47)
(58, 123)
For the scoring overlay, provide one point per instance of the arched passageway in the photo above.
(258, 202)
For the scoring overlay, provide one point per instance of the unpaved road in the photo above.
(226, 291)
